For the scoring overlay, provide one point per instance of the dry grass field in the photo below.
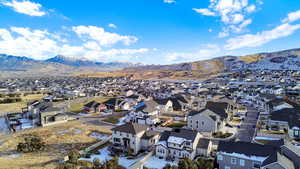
(59, 140)
(17, 107)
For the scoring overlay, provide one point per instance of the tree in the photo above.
(186, 163)
(74, 155)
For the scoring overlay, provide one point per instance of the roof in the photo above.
(289, 115)
(146, 106)
(132, 128)
(203, 143)
(111, 101)
(92, 104)
(218, 107)
(250, 149)
(177, 101)
(51, 109)
(179, 133)
(149, 134)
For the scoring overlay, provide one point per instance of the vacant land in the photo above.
(17, 107)
(59, 140)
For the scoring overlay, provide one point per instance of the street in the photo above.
(247, 128)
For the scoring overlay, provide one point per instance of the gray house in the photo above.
(52, 115)
(244, 155)
(210, 119)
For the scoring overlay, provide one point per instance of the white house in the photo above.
(179, 143)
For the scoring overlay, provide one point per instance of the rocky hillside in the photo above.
(282, 60)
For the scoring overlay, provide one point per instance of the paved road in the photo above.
(247, 129)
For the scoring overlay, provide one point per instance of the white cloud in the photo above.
(25, 42)
(169, 1)
(205, 12)
(254, 40)
(111, 25)
(25, 7)
(251, 8)
(210, 30)
(102, 37)
(232, 13)
(206, 52)
(223, 34)
(293, 16)
(41, 44)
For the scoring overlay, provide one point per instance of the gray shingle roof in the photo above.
(132, 128)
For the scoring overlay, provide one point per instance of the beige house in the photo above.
(133, 137)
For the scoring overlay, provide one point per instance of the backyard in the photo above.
(59, 140)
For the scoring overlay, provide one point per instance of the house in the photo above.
(173, 103)
(204, 147)
(92, 107)
(133, 137)
(210, 119)
(52, 115)
(244, 155)
(145, 112)
(178, 143)
(285, 115)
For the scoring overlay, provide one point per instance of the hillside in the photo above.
(282, 60)
(60, 65)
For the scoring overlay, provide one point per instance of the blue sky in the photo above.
(147, 31)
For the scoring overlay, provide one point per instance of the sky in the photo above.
(147, 31)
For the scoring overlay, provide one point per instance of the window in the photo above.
(242, 162)
(256, 165)
(220, 157)
(226, 167)
(117, 140)
(202, 123)
(233, 160)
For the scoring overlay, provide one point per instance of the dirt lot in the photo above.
(59, 140)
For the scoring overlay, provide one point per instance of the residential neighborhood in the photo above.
(232, 124)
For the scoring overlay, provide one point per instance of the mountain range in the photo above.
(61, 65)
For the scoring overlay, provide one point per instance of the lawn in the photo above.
(177, 125)
(17, 107)
(112, 119)
(272, 132)
(78, 107)
(59, 140)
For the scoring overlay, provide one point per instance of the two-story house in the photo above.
(285, 115)
(179, 143)
(245, 155)
(133, 137)
(210, 119)
(145, 112)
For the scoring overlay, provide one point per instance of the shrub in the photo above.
(32, 143)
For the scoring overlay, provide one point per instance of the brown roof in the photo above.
(132, 128)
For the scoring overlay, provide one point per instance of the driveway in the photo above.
(247, 128)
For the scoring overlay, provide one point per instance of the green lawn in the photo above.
(113, 119)
(177, 125)
(78, 108)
